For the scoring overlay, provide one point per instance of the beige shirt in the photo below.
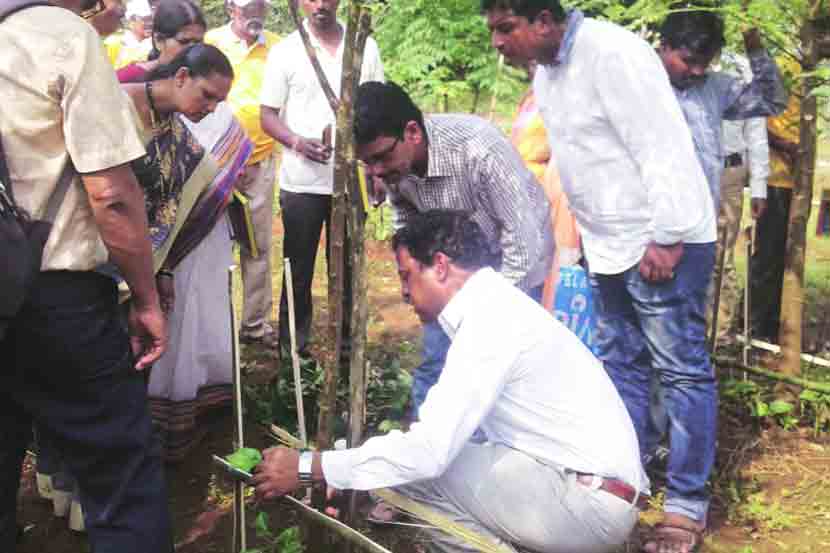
(291, 85)
(61, 100)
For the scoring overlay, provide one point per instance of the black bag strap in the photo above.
(8, 7)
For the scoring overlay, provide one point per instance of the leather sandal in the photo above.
(676, 534)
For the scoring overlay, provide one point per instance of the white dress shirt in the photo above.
(625, 153)
(747, 137)
(291, 85)
(523, 378)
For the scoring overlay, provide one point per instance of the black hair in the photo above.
(527, 8)
(201, 60)
(170, 17)
(452, 232)
(383, 109)
(701, 32)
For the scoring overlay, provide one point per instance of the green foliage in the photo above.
(387, 396)
(439, 50)
(759, 403)
(816, 406)
(288, 541)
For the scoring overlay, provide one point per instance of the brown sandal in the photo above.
(681, 535)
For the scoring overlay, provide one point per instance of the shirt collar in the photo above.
(434, 151)
(260, 41)
(453, 313)
(572, 25)
(315, 43)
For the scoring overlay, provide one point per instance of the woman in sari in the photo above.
(193, 378)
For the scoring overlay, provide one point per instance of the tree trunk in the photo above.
(476, 99)
(792, 293)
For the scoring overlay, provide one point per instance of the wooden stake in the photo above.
(295, 357)
(239, 538)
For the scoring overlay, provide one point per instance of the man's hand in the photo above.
(312, 149)
(759, 206)
(658, 262)
(166, 285)
(148, 333)
(278, 473)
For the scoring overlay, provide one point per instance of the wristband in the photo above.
(166, 274)
(304, 467)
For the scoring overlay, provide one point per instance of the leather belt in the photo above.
(615, 487)
(733, 160)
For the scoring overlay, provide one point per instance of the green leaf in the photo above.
(761, 409)
(245, 458)
(263, 528)
(781, 407)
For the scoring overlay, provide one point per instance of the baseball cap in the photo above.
(138, 8)
(243, 3)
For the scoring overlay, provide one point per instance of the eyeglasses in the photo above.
(94, 10)
(381, 156)
(187, 41)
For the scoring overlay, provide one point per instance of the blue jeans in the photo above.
(436, 344)
(645, 328)
(67, 367)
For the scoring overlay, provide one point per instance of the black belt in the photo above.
(733, 160)
(615, 487)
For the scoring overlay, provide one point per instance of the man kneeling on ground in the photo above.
(560, 468)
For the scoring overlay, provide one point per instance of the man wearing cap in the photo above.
(134, 44)
(296, 113)
(246, 43)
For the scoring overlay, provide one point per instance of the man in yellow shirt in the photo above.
(246, 43)
(767, 267)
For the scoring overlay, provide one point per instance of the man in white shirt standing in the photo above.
(643, 206)
(560, 468)
(746, 160)
(296, 113)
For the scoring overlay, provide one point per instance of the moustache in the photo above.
(254, 26)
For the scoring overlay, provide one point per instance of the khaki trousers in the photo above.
(729, 224)
(520, 504)
(257, 183)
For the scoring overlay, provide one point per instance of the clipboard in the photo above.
(242, 226)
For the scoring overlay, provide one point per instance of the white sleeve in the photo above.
(274, 92)
(757, 148)
(641, 106)
(453, 410)
(372, 66)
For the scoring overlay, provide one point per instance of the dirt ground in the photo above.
(771, 493)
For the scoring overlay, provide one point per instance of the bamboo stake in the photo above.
(713, 330)
(239, 538)
(495, 97)
(750, 248)
(346, 532)
(295, 358)
(821, 387)
(471, 537)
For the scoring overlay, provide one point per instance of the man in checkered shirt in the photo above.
(453, 161)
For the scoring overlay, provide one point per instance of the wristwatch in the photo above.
(306, 458)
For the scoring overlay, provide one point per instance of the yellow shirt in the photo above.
(123, 49)
(786, 125)
(66, 105)
(248, 66)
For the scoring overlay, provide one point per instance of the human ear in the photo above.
(181, 76)
(441, 265)
(412, 132)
